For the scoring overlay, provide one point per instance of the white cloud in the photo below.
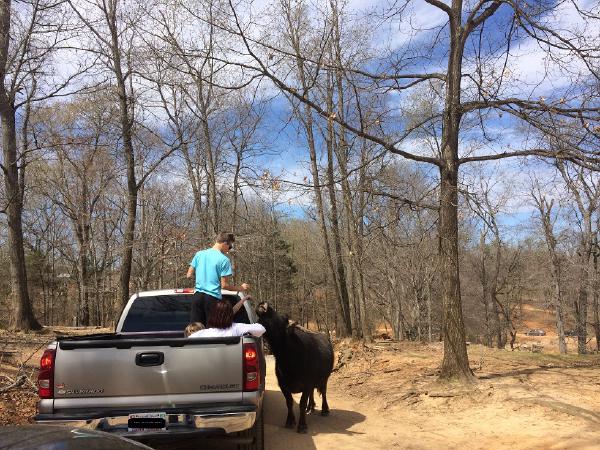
(532, 70)
(416, 23)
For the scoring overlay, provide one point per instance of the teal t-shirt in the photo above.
(210, 265)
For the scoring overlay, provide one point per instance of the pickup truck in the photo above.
(148, 382)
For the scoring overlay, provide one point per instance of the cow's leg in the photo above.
(289, 401)
(324, 405)
(311, 403)
(303, 402)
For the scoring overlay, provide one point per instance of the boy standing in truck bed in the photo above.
(213, 273)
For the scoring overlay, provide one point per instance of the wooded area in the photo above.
(397, 166)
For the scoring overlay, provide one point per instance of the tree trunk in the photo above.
(429, 335)
(354, 238)
(211, 173)
(23, 317)
(595, 300)
(455, 364)
(22, 311)
(128, 237)
(193, 178)
(498, 322)
(316, 181)
(560, 322)
(545, 210)
(489, 340)
(202, 102)
(489, 323)
(339, 273)
(336, 268)
(83, 313)
(236, 191)
(581, 304)
(132, 186)
(501, 312)
(558, 303)
(581, 307)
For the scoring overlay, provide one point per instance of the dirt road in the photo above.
(345, 428)
(348, 426)
(391, 400)
(385, 395)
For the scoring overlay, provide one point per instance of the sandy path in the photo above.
(349, 426)
(384, 397)
(537, 409)
(498, 416)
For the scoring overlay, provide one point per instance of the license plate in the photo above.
(147, 421)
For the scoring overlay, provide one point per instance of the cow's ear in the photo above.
(286, 319)
(262, 307)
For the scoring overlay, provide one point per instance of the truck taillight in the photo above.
(46, 375)
(185, 291)
(251, 367)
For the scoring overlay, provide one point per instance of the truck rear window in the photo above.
(167, 313)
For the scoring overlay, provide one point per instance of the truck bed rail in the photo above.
(126, 342)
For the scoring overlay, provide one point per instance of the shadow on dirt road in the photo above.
(277, 437)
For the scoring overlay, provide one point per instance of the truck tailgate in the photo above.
(148, 367)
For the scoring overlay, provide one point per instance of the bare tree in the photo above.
(497, 265)
(80, 138)
(243, 120)
(115, 44)
(29, 38)
(547, 219)
(195, 72)
(582, 185)
(111, 27)
(473, 85)
(295, 34)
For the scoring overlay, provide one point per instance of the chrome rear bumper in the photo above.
(176, 424)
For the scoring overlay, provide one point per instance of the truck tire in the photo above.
(257, 432)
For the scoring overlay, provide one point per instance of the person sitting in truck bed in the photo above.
(220, 324)
(197, 326)
(192, 328)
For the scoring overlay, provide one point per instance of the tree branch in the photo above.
(442, 6)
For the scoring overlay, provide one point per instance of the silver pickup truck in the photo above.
(148, 382)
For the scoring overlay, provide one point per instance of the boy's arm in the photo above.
(192, 267)
(231, 287)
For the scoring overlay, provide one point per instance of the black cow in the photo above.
(303, 362)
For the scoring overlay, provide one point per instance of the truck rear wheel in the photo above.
(257, 432)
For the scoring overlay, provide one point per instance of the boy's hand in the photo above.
(245, 286)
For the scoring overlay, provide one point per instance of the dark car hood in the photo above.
(51, 437)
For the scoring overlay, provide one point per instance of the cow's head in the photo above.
(274, 323)
(263, 308)
(266, 313)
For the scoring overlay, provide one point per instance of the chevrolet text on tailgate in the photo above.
(148, 382)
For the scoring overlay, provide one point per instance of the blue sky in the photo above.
(531, 75)
(409, 35)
